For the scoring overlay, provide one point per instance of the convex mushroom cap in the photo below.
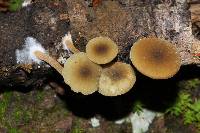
(81, 74)
(101, 50)
(116, 79)
(155, 58)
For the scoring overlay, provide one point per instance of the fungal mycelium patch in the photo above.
(26, 55)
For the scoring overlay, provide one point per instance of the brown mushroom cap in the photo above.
(116, 79)
(81, 74)
(155, 58)
(101, 50)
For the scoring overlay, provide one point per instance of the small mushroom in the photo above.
(116, 79)
(68, 43)
(155, 58)
(81, 74)
(101, 50)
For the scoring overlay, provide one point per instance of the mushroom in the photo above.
(81, 74)
(101, 50)
(155, 58)
(116, 79)
(68, 43)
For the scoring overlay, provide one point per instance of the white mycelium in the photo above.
(140, 122)
(95, 122)
(65, 39)
(26, 55)
(26, 3)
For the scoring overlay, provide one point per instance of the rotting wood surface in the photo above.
(124, 21)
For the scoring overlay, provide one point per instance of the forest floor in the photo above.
(42, 111)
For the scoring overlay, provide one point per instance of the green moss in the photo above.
(77, 130)
(27, 116)
(18, 115)
(40, 96)
(192, 115)
(25, 109)
(21, 115)
(190, 84)
(188, 108)
(11, 116)
(198, 126)
(15, 5)
(138, 106)
(185, 105)
(14, 130)
(4, 104)
(182, 102)
(77, 127)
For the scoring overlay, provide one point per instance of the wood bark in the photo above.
(124, 21)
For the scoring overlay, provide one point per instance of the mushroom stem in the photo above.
(42, 56)
(71, 46)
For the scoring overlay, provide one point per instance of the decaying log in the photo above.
(124, 21)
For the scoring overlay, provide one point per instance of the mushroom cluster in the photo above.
(87, 73)
(116, 78)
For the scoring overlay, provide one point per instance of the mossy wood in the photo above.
(124, 21)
